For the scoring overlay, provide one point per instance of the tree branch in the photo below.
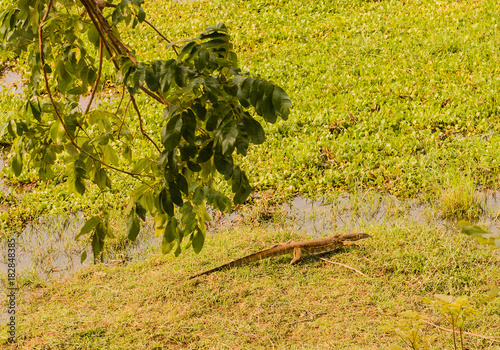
(493, 339)
(99, 71)
(174, 47)
(140, 123)
(54, 106)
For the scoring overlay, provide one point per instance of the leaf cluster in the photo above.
(207, 109)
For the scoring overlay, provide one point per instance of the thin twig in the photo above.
(124, 115)
(174, 47)
(493, 339)
(121, 100)
(158, 97)
(99, 71)
(344, 265)
(140, 123)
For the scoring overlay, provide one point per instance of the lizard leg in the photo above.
(297, 253)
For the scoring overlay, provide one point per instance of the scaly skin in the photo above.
(316, 246)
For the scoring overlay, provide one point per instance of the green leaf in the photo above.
(229, 134)
(170, 140)
(166, 203)
(151, 80)
(203, 59)
(182, 183)
(198, 241)
(212, 121)
(243, 191)
(79, 184)
(89, 226)
(194, 167)
(133, 226)
(244, 92)
(166, 247)
(83, 257)
(255, 130)
(224, 164)
(160, 226)
(205, 153)
(281, 102)
(110, 156)
(140, 211)
(170, 230)
(199, 111)
(186, 50)
(17, 164)
(98, 242)
(169, 111)
(175, 194)
(268, 110)
(471, 229)
(180, 75)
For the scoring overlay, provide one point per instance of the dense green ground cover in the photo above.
(395, 96)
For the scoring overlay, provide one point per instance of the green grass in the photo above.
(397, 97)
(268, 304)
(380, 101)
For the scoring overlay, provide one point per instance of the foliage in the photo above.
(205, 98)
(482, 236)
(410, 330)
(455, 311)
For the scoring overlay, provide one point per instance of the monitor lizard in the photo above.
(315, 246)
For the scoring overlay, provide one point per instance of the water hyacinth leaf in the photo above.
(471, 229)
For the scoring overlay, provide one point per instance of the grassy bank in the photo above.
(269, 304)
